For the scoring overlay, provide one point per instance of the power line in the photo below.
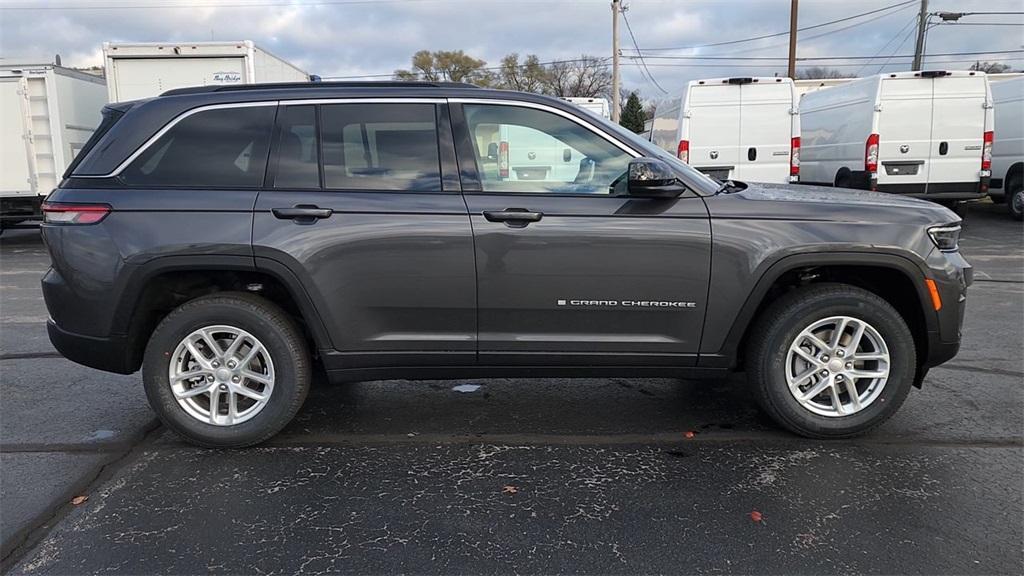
(913, 19)
(762, 37)
(640, 56)
(489, 68)
(820, 58)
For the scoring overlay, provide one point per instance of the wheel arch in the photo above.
(895, 278)
(155, 288)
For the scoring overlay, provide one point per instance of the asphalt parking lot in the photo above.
(526, 476)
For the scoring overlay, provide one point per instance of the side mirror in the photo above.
(652, 178)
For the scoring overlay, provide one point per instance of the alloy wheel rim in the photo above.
(221, 375)
(1018, 201)
(837, 366)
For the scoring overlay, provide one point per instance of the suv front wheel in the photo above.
(227, 370)
(831, 361)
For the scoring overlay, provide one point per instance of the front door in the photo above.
(569, 269)
(363, 207)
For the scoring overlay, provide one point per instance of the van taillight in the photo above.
(59, 213)
(986, 151)
(683, 151)
(503, 160)
(794, 156)
(871, 154)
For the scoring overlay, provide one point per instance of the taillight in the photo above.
(60, 213)
(503, 160)
(794, 156)
(871, 154)
(683, 151)
(986, 151)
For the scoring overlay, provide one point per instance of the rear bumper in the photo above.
(108, 354)
(939, 190)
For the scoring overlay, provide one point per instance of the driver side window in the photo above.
(533, 151)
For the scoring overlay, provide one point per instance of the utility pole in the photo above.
(615, 61)
(922, 29)
(792, 38)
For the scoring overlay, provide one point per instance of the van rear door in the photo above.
(904, 132)
(766, 130)
(713, 117)
(958, 128)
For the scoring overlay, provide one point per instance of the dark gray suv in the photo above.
(227, 240)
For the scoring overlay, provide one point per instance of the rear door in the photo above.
(958, 129)
(713, 120)
(146, 77)
(766, 129)
(363, 209)
(570, 271)
(16, 176)
(904, 131)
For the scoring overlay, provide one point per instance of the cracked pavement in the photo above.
(403, 476)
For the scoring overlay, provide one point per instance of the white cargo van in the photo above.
(46, 115)
(734, 128)
(598, 106)
(143, 70)
(924, 134)
(1008, 148)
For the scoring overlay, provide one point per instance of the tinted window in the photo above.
(220, 148)
(296, 148)
(527, 150)
(380, 147)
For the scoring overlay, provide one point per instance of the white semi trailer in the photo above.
(47, 113)
(145, 69)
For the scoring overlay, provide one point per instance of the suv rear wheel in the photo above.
(831, 361)
(227, 370)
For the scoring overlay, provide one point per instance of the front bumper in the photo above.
(951, 282)
(108, 354)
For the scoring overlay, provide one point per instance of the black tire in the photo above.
(1015, 196)
(279, 335)
(780, 325)
(844, 179)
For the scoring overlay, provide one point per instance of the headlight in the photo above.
(946, 238)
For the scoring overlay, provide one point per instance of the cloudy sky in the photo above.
(371, 38)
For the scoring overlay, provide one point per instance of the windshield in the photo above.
(700, 183)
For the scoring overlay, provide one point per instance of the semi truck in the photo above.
(48, 113)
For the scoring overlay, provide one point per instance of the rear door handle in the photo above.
(514, 217)
(751, 154)
(302, 213)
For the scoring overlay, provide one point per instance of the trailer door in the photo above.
(958, 128)
(15, 175)
(713, 115)
(766, 132)
(904, 131)
(136, 78)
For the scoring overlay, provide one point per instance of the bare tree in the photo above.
(991, 67)
(587, 76)
(821, 72)
(446, 66)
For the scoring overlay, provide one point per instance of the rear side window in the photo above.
(380, 147)
(110, 117)
(218, 148)
(296, 148)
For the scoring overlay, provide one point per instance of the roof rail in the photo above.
(316, 86)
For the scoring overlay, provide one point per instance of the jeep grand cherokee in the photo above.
(227, 239)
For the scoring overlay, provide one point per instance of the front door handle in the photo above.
(513, 217)
(302, 213)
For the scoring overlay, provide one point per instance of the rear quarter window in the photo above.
(216, 148)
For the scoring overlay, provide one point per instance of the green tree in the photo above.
(633, 114)
(446, 66)
(991, 67)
